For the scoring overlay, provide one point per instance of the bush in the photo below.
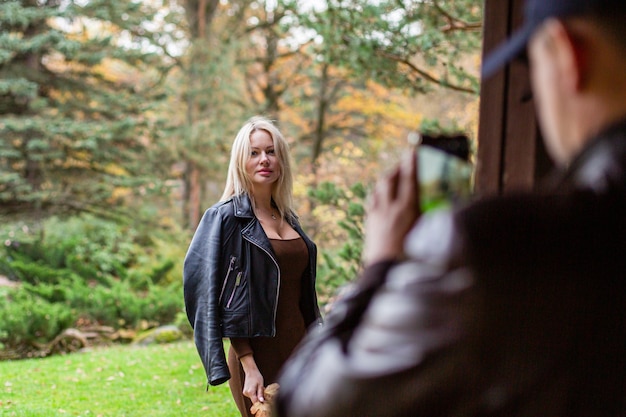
(82, 270)
(27, 319)
(339, 266)
(182, 322)
(116, 304)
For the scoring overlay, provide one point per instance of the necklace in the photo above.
(272, 214)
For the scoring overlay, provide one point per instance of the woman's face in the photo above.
(262, 165)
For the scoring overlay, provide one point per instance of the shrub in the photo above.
(340, 265)
(27, 319)
(182, 322)
(82, 270)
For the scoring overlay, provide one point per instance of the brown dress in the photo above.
(270, 353)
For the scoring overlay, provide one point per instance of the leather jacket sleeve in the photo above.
(201, 292)
(392, 347)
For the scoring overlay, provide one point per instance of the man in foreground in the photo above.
(512, 306)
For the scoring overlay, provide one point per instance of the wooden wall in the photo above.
(510, 152)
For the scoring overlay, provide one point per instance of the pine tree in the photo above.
(77, 82)
(412, 45)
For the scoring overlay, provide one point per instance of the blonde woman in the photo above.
(249, 273)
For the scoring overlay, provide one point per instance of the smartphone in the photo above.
(444, 169)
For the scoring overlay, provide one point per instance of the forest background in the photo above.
(117, 116)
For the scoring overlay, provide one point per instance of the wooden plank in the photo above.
(521, 128)
(489, 163)
(510, 154)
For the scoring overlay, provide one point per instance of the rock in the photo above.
(162, 334)
(6, 282)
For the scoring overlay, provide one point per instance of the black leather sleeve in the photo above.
(201, 282)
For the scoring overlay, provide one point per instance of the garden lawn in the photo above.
(122, 381)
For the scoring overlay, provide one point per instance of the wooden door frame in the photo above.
(510, 153)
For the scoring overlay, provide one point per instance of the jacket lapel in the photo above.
(253, 231)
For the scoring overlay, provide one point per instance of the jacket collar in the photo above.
(602, 164)
(243, 206)
(243, 209)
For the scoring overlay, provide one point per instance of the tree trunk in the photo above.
(201, 15)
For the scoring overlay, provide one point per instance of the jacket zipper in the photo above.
(277, 287)
(230, 269)
(232, 294)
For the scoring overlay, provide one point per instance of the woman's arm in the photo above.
(253, 385)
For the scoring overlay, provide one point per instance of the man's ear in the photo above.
(570, 55)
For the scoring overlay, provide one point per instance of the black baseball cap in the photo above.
(535, 13)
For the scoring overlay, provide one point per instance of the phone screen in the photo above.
(444, 171)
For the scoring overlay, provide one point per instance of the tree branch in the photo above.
(454, 23)
(424, 74)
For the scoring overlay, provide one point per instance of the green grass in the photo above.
(121, 381)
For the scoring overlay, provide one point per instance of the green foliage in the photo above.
(413, 45)
(90, 247)
(81, 270)
(26, 319)
(3, 333)
(340, 266)
(182, 322)
(116, 304)
(435, 128)
(78, 81)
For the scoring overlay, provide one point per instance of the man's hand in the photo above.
(393, 210)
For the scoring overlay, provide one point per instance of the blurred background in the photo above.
(116, 120)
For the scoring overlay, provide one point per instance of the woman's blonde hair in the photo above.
(238, 182)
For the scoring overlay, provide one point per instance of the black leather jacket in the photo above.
(512, 306)
(231, 282)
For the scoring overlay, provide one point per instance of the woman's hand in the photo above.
(393, 210)
(253, 385)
